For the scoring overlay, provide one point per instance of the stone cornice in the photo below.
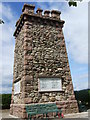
(41, 18)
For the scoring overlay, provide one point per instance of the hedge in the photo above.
(83, 96)
(6, 101)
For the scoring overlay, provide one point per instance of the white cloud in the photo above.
(80, 86)
(80, 81)
(76, 32)
(9, 26)
(1, 46)
(0, 10)
(6, 89)
(7, 47)
(79, 76)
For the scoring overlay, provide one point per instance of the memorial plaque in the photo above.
(17, 87)
(50, 84)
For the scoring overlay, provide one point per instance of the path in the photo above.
(5, 114)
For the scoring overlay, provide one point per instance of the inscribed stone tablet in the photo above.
(17, 87)
(50, 84)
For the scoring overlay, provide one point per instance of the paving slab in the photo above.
(4, 115)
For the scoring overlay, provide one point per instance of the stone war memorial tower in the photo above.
(41, 68)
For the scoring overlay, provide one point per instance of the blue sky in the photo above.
(76, 38)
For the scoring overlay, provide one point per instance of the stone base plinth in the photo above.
(67, 107)
(18, 110)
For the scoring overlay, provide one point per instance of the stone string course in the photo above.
(40, 51)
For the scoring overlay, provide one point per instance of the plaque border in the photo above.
(49, 90)
(20, 87)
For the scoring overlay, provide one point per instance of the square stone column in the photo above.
(41, 68)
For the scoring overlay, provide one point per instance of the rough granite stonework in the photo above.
(40, 51)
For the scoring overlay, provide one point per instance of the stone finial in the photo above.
(28, 8)
(39, 11)
(55, 14)
(46, 13)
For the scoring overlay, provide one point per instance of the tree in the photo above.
(73, 3)
(1, 21)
